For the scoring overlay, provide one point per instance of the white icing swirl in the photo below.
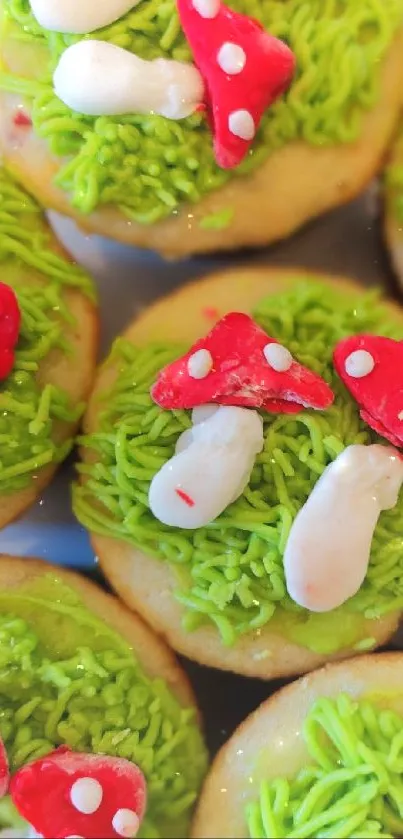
(327, 553)
(211, 468)
(79, 17)
(97, 78)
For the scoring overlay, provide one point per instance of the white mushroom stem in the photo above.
(97, 78)
(328, 550)
(79, 17)
(211, 469)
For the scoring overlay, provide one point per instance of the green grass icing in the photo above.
(352, 785)
(29, 411)
(68, 678)
(230, 573)
(339, 46)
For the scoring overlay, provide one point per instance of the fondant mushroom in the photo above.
(97, 77)
(371, 368)
(83, 795)
(78, 17)
(238, 364)
(10, 322)
(328, 549)
(211, 467)
(244, 68)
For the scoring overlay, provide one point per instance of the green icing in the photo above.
(339, 46)
(231, 573)
(68, 678)
(352, 785)
(29, 411)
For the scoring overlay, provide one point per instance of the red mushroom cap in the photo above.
(234, 370)
(244, 70)
(10, 322)
(371, 368)
(4, 770)
(71, 794)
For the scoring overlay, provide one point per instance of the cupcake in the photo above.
(99, 731)
(198, 126)
(322, 757)
(233, 476)
(48, 341)
(393, 205)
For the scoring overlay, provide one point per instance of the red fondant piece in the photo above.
(41, 793)
(267, 72)
(22, 120)
(10, 321)
(240, 374)
(379, 394)
(4, 770)
(187, 499)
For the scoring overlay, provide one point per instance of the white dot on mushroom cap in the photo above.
(126, 823)
(278, 357)
(400, 416)
(231, 58)
(359, 364)
(207, 8)
(241, 124)
(86, 795)
(200, 364)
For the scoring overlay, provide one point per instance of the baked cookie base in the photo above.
(147, 584)
(295, 184)
(273, 733)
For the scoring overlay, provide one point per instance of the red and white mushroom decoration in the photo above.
(236, 367)
(211, 468)
(371, 367)
(329, 545)
(238, 364)
(10, 322)
(244, 68)
(67, 794)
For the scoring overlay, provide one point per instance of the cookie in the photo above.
(89, 692)
(320, 756)
(50, 352)
(392, 190)
(159, 152)
(197, 543)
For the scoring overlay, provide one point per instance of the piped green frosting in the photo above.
(230, 573)
(339, 47)
(68, 678)
(29, 410)
(351, 785)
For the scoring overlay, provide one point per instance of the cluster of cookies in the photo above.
(241, 448)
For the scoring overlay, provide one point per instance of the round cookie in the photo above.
(306, 762)
(393, 205)
(89, 675)
(151, 181)
(42, 395)
(217, 593)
